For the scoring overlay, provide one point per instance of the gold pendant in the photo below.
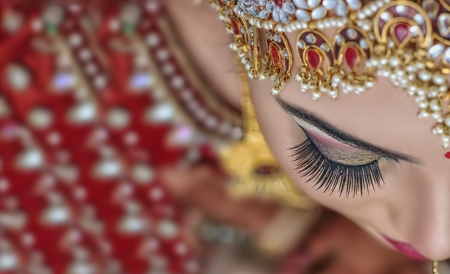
(253, 165)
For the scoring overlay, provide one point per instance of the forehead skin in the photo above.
(413, 204)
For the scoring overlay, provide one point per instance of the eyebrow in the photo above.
(342, 136)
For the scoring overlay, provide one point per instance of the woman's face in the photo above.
(377, 132)
(411, 207)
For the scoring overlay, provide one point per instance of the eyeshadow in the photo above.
(320, 126)
(334, 150)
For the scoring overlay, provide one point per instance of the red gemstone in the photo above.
(236, 28)
(401, 32)
(279, 2)
(447, 155)
(275, 54)
(350, 57)
(313, 58)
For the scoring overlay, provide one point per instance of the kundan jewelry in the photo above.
(254, 166)
(406, 41)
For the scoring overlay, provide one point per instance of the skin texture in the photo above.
(202, 191)
(412, 206)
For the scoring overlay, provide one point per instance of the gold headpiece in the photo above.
(406, 41)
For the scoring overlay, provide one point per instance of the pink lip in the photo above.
(406, 249)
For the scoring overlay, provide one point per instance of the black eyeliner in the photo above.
(331, 176)
(341, 136)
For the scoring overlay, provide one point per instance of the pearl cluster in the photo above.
(424, 85)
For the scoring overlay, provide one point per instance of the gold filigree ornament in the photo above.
(265, 56)
(407, 41)
(435, 267)
(254, 167)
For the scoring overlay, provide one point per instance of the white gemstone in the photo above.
(75, 39)
(83, 113)
(276, 14)
(400, 9)
(354, 4)
(181, 249)
(118, 118)
(57, 215)
(302, 15)
(236, 133)
(91, 68)
(108, 168)
(313, 3)
(18, 77)
(64, 60)
(284, 17)
(329, 4)
(351, 33)
(300, 44)
(254, 11)
(12, 21)
(363, 43)
(276, 38)
(131, 138)
(386, 16)
(156, 194)
(447, 55)
(162, 54)
(40, 118)
(168, 69)
(271, 6)
(132, 224)
(162, 113)
(54, 138)
(444, 24)
(418, 18)
(100, 81)
(324, 47)
(339, 39)
(310, 38)
(414, 31)
(289, 7)
(318, 13)
(85, 54)
(167, 229)
(30, 159)
(301, 4)
(431, 7)
(177, 82)
(114, 25)
(264, 14)
(285, 53)
(435, 51)
(341, 9)
(152, 40)
(262, 2)
(9, 261)
(4, 185)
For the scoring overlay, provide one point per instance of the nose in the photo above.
(428, 230)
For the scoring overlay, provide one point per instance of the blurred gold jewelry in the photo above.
(435, 267)
(252, 164)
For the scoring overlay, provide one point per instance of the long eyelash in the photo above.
(330, 175)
